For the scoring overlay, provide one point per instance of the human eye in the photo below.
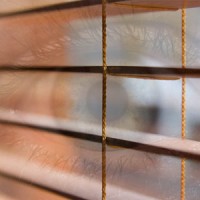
(73, 38)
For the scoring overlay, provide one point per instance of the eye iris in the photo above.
(117, 100)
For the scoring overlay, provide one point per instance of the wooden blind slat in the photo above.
(149, 142)
(74, 4)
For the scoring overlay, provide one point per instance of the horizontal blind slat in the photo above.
(149, 142)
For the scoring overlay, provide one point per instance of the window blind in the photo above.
(57, 47)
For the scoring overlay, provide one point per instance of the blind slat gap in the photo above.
(148, 72)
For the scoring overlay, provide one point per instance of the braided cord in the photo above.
(183, 100)
(104, 81)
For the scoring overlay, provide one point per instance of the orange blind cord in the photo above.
(104, 87)
(183, 100)
(104, 100)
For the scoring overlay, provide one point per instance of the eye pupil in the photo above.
(117, 100)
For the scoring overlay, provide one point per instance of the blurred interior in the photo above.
(72, 37)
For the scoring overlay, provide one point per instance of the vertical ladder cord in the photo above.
(104, 88)
(183, 101)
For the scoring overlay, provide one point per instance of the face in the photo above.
(72, 38)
